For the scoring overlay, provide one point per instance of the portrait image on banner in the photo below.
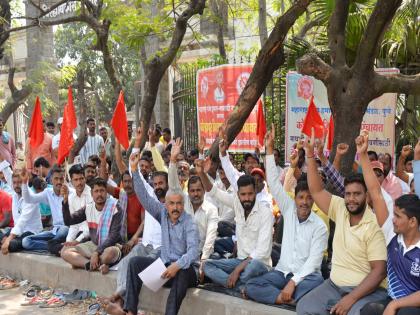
(218, 89)
(379, 118)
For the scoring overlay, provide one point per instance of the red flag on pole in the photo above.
(330, 133)
(119, 122)
(313, 120)
(36, 127)
(67, 128)
(261, 126)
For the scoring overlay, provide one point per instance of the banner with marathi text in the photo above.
(218, 89)
(379, 118)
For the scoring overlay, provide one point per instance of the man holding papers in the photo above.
(179, 251)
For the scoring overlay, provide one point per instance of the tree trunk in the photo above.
(217, 9)
(262, 21)
(5, 16)
(269, 59)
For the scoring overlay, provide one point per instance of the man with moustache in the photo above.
(203, 211)
(26, 216)
(179, 252)
(305, 239)
(359, 252)
(254, 223)
(50, 196)
(103, 217)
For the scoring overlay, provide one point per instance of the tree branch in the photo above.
(311, 64)
(308, 26)
(336, 32)
(378, 22)
(397, 83)
(269, 59)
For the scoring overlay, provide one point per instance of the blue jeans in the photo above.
(40, 241)
(266, 288)
(219, 270)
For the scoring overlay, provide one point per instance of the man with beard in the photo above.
(359, 252)
(179, 249)
(26, 216)
(50, 196)
(204, 213)
(305, 238)
(103, 217)
(93, 144)
(90, 172)
(254, 225)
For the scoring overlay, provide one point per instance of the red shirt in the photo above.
(6, 206)
(134, 212)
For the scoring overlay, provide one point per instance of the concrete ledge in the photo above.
(54, 272)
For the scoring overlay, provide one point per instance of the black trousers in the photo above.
(15, 244)
(377, 308)
(184, 279)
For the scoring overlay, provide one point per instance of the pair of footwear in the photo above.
(7, 283)
(52, 302)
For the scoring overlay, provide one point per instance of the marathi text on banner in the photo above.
(218, 89)
(379, 118)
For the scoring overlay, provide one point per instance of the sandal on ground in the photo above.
(46, 293)
(93, 309)
(53, 302)
(10, 284)
(32, 291)
(77, 295)
(36, 300)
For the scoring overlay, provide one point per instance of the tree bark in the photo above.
(18, 96)
(262, 21)
(156, 67)
(5, 16)
(351, 89)
(270, 57)
(217, 7)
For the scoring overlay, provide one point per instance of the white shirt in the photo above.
(56, 140)
(233, 174)
(254, 235)
(49, 197)
(76, 203)
(158, 145)
(303, 243)
(152, 232)
(206, 216)
(92, 147)
(226, 213)
(26, 216)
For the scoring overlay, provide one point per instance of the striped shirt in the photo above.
(91, 147)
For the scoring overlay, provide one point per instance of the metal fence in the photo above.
(185, 107)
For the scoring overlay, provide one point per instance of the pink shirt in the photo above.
(44, 150)
(392, 186)
(8, 151)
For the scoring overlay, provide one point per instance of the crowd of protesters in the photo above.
(302, 236)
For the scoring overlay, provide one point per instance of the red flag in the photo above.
(313, 120)
(330, 133)
(119, 122)
(67, 128)
(261, 126)
(36, 127)
(72, 111)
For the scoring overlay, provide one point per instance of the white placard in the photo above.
(151, 276)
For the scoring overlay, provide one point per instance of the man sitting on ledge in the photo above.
(103, 217)
(179, 251)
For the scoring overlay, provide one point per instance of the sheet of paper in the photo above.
(151, 276)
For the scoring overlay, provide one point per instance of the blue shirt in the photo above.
(403, 268)
(180, 240)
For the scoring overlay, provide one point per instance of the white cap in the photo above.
(60, 121)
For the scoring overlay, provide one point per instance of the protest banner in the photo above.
(379, 118)
(218, 89)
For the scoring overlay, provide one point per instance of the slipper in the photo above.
(77, 295)
(32, 291)
(36, 300)
(93, 309)
(9, 285)
(54, 302)
(46, 293)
